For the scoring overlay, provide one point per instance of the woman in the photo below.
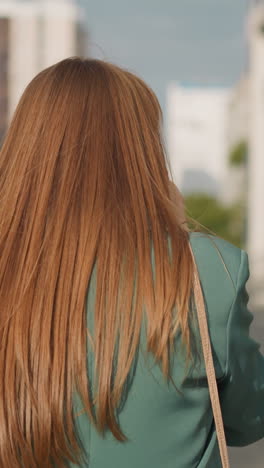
(100, 360)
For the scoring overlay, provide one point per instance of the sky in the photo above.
(192, 41)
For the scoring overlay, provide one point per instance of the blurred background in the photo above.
(205, 61)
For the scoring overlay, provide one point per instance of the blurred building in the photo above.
(237, 134)
(238, 112)
(256, 150)
(33, 35)
(198, 137)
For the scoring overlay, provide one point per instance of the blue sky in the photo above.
(195, 41)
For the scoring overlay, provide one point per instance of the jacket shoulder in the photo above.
(219, 266)
(216, 254)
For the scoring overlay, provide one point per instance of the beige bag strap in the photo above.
(209, 365)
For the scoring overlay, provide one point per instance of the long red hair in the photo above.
(84, 186)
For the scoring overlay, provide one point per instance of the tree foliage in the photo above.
(208, 213)
(238, 155)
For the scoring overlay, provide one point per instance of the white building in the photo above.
(238, 129)
(239, 112)
(256, 146)
(33, 35)
(197, 137)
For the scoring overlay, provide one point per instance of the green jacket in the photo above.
(174, 428)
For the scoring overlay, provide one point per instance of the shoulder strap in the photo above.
(209, 365)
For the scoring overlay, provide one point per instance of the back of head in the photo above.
(84, 184)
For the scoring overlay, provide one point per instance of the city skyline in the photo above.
(32, 39)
